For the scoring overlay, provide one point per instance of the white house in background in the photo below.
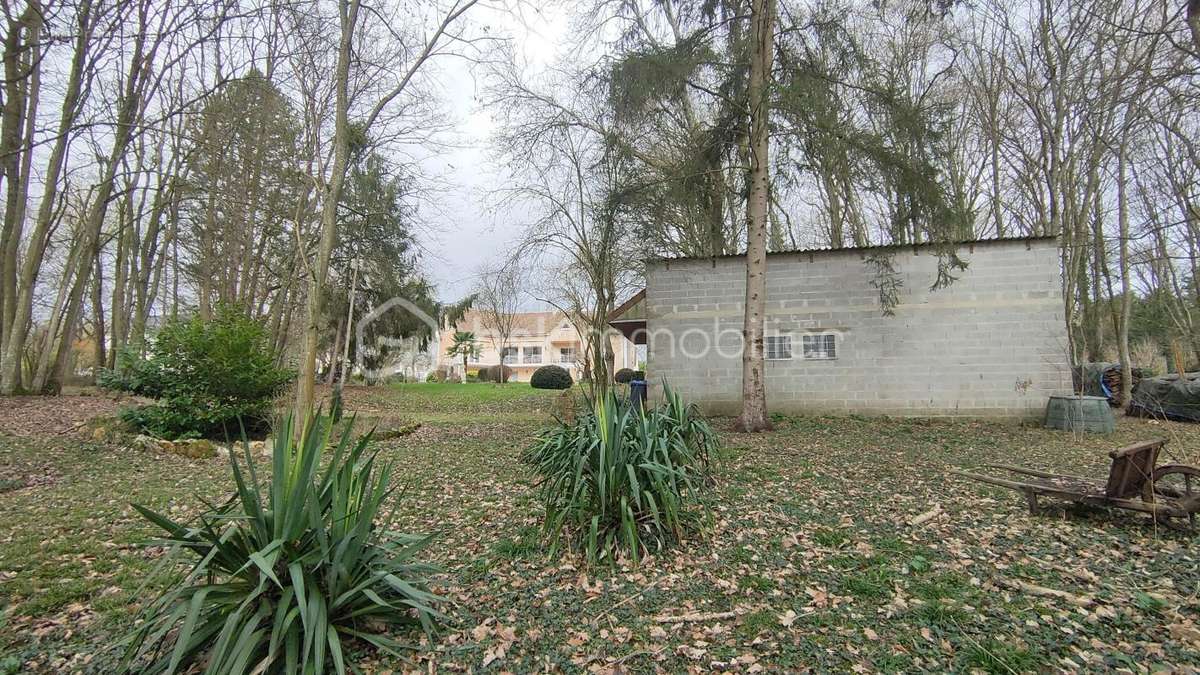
(538, 339)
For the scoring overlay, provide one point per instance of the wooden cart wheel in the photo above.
(1179, 484)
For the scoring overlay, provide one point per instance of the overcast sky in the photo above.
(468, 229)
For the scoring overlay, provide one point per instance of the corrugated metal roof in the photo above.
(865, 249)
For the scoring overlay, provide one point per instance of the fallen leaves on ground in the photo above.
(809, 562)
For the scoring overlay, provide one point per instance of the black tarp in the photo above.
(1168, 397)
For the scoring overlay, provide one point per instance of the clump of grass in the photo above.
(618, 480)
(756, 623)
(939, 614)
(942, 596)
(755, 582)
(870, 583)
(10, 484)
(1148, 603)
(830, 538)
(940, 587)
(996, 656)
(524, 545)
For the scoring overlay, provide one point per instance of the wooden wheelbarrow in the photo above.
(1135, 482)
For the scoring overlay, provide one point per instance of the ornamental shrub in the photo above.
(208, 378)
(623, 376)
(616, 481)
(297, 572)
(551, 377)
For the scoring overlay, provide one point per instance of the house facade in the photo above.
(538, 339)
(992, 343)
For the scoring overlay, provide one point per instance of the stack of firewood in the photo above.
(1112, 380)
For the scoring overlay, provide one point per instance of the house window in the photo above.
(566, 355)
(508, 355)
(823, 346)
(779, 347)
(533, 355)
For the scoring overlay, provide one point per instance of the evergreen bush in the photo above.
(209, 378)
(551, 377)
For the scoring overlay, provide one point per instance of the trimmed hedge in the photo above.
(623, 376)
(551, 377)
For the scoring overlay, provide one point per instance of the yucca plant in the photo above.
(290, 570)
(683, 421)
(621, 481)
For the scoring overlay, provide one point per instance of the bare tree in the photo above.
(79, 78)
(498, 301)
(396, 82)
(162, 39)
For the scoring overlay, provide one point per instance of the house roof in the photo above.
(866, 249)
(524, 323)
(630, 318)
(629, 304)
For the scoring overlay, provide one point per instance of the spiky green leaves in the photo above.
(289, 570)
(620, 482)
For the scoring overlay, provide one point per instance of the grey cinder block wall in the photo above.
(992, 344)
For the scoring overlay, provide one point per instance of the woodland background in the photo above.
(163, 159)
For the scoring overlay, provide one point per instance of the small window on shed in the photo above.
(778, 347)
(822, 346)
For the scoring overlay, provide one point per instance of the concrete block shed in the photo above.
(991, 344)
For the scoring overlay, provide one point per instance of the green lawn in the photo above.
(808, 563)
(448, 403)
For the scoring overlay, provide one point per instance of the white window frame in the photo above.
(525, 354)
(771, 348)
(510, 355)
(819, 346)
(567, 354)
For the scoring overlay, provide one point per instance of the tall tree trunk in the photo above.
(1193, 22)
(10, 363)
(152, 257)
(331, 370)
(754, 391)
(22, 87)
(994, 157)
(117, 307)
(128, 106)
(208, 258)
(1126, 291)
(49, 350)
(53, 365)
(98, 324)
(344, 359)
(348, 18)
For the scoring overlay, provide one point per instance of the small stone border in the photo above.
(196, 448)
